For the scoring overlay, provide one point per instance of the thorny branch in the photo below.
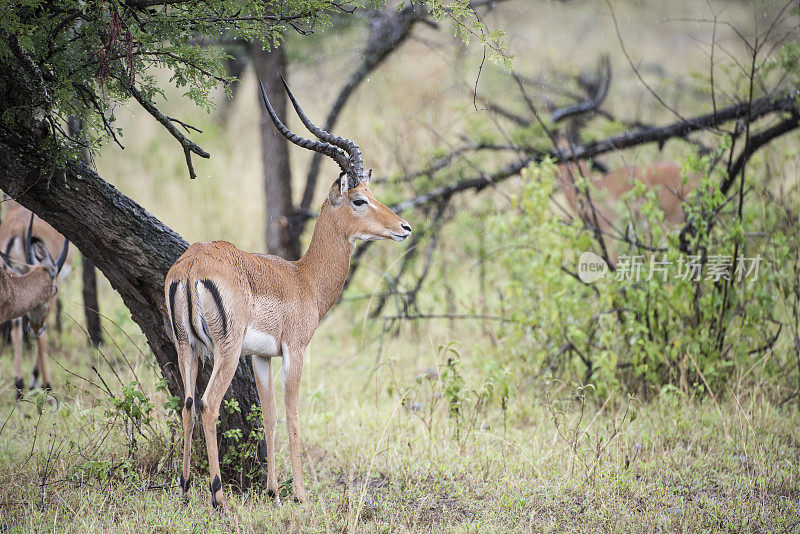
(680, 129)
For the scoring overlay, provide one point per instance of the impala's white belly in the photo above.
(260, 343)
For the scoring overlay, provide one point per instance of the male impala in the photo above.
(229, 303)
(14, 234)
(664, 179)
(26, 286)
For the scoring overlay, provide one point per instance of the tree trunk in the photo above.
(133, 249)
(90, 304)
(280, 240)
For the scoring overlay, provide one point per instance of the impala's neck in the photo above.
(327, 260)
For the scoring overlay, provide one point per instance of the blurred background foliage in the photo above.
(509, 254)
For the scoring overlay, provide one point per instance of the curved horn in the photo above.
(27, 243)
(598, 93)
(349, 146)
(62, 257)
(323, 148)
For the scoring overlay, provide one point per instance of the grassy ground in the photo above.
(383, 450)
(374, 465)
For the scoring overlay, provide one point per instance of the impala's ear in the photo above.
(336, 194)
(14, 266)
(40, 253)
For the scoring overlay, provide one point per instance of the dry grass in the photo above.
(373, 465)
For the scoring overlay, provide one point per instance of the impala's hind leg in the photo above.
(42, 368)
(226, 360)
(187, 363)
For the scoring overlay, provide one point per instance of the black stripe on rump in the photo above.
(10, 245)
(191, 309)
(211, 287)
(172, 289)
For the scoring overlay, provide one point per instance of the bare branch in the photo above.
(592, 103)
(757, 141)
(388, 29)
(475, 184)
(634, 68)
(759, 108)
(166, 122)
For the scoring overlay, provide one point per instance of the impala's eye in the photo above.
(359, 202)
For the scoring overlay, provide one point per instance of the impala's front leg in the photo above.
(262, 369)
(292, 371)
(16, 341)
(42, 368)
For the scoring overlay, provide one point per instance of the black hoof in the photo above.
(215, 486)
(20, 385)
(47, 387)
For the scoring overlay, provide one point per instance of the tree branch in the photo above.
(388, 29)
(760, 107)
(166, 122)
(757, 141)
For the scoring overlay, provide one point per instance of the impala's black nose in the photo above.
(406, 227)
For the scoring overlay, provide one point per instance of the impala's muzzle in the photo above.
(403, 234)
(37, 320)
(36, 331)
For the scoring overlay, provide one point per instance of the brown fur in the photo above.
(20, 294)
(263, 298)
(14, 226)
(663, 178)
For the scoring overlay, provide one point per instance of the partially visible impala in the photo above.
(26, 286)
(15, 232)
(664, 179)
(228, 303)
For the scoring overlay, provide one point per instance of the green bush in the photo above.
(637, 332)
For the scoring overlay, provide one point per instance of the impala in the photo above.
(664, 179)
(21, 235)
(25, 286)
(227, 303)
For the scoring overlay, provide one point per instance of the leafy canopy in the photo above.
(75, 58)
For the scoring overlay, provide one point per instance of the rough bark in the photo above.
(133, 249)
(269, 66)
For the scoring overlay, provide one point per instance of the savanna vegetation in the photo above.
(470, 379)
